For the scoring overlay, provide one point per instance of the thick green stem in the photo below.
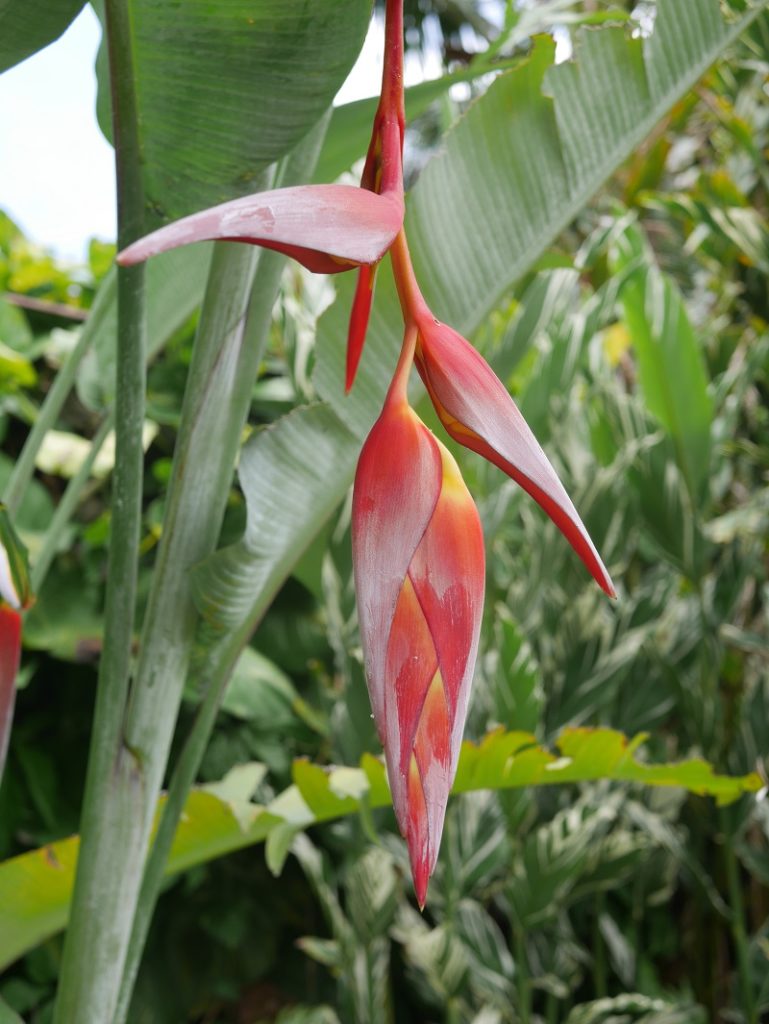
(67, 505)
(203, 464)
(101, 912)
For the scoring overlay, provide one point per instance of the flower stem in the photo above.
(100, 914)
(412, 302)
(391, 96)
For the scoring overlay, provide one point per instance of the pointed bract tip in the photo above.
(421, 870)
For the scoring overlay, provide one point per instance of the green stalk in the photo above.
(600, 982)
(739, 931)
(101, 913)
(186, 769)
(203, 462)
(67, 505)
(218, 668)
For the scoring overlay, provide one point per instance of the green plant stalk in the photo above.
(100, 911)
(217, 671)
(52, 405)
(739, 931)
(522, 974)
(186, 769)
(203, 463)
(67, 506)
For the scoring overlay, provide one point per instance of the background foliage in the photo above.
(637, 347)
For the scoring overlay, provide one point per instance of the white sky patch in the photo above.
(7, 589)
(56, 168)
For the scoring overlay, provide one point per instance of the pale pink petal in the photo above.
(327, 228)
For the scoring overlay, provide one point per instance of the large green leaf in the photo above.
(225, 89)
(529, 156)
(26, 26)
(35, 887)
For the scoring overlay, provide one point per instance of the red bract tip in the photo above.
(477, 411)
(359, 317)
(419, 574)
(10, 650)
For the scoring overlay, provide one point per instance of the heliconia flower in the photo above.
(326, 228)
(14, 596)
(419, 566)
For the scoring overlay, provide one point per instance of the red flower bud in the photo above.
(419, 575)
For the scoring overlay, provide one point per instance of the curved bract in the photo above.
(326, 228)
(478, 412)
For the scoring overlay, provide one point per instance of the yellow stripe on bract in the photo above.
(433, 719)
(453, 487)
(451, 423)
(341, 261)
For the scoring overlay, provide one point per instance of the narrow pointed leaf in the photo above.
(35, 887)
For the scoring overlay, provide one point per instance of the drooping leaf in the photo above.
(26, 26)
(293, 474)
(487, 206)
(35, 887)
(202, 75)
